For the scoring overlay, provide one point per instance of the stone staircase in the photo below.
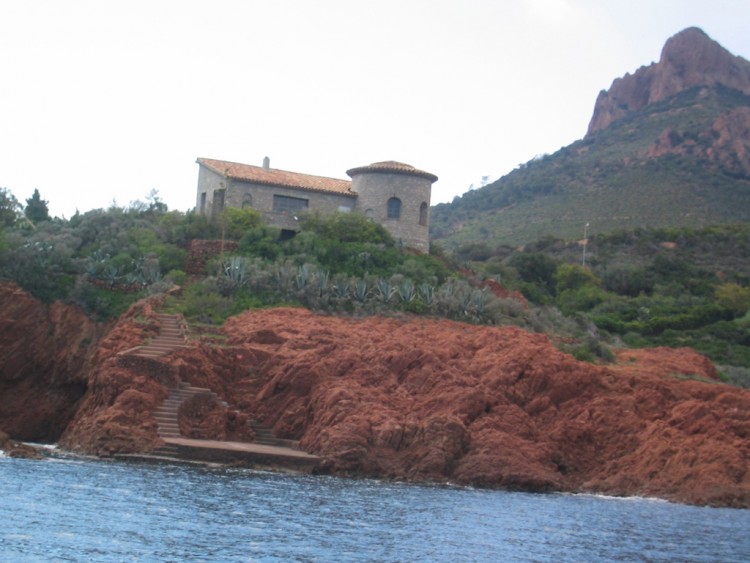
(171, 337)
(265, 437)
(166, 415)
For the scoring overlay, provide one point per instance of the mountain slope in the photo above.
(681, 158)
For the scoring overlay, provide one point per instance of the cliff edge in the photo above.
(689, 59)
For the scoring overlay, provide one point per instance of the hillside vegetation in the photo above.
(609, 181)
(647, 287)
(676, 287)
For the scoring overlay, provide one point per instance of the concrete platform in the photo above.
(257, 456)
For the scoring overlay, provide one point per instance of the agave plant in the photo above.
(302, 277)
(384, 290)
(427, 292)
(111, 274)
(285, 273)
(478, 301)
(341, 286)
(361, 290)
(235, 272)
(406, 291)
(321, 281)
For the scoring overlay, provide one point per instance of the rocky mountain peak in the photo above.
(689, 59)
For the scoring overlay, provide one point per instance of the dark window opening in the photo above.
(423, 213)
(394, 208)
(287, 234)
(218, 205)
(286, 204)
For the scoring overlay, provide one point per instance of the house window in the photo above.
(423, 213)
(247, 201)
(218, 204)
(286, 204)
(394, 208)
(203, 203)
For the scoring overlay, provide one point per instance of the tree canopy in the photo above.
(36, 208)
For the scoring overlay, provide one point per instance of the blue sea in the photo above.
(72, 509)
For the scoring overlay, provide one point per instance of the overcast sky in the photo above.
(103, 101)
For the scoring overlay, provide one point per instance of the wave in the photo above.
(618, 498)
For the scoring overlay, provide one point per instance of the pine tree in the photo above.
(36, 208)
(9, 208)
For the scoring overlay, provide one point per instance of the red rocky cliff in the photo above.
(688, 59)
(437, 400)
(44, 351)
(413, 399)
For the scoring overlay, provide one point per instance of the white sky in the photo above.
(106, 100)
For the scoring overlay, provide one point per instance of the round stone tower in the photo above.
(397, 196)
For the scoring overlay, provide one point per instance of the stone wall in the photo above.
(201, 251)
(260, 197)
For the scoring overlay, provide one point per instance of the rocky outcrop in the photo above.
(726, 142)
(411, 399)
(689, 59)
(13, 448)
(437, 400)
(43, 372)
(116, 413)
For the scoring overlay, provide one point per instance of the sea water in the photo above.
(68, 509)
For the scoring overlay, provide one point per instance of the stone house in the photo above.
(393, 194)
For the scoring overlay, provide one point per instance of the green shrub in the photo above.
(177, 277)
(262, 242)
(734, 297)
(204, 303)
(346, 227)
(584, 298)
(236, 221)
(537, 269)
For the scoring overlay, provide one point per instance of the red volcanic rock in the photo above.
(13, 448)
(726, 142)
(412, 399)
(424, 399)
(115, 414)
(44, 351)
(688, 59)
(203, 418)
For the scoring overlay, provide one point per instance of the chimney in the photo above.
(266, 162)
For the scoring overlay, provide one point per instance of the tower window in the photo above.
(394, 208)
(423, 213)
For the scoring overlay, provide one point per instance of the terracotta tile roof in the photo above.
(274, 177)
(394, 167)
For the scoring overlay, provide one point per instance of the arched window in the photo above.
(423, 213)
(247, 201)
(394, 208)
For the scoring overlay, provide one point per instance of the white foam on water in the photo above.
(617, 498)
